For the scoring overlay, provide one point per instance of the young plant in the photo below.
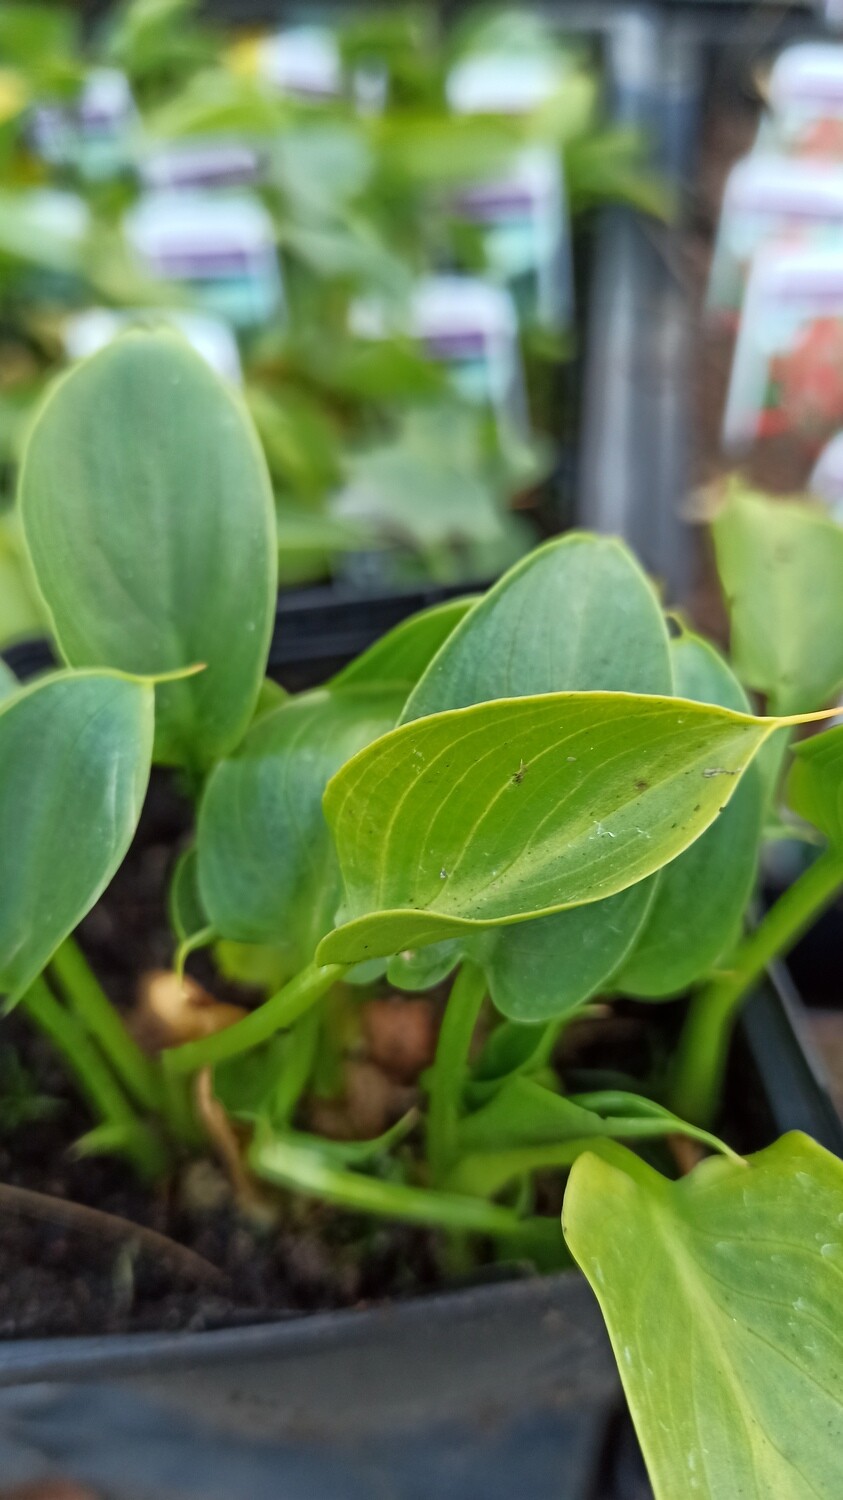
(535, 798)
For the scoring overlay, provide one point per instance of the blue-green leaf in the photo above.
(74, 763)
(149, 518)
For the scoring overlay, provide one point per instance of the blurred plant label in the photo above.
(468, 324)
(771, 200)
(305, 63)
(805, 94)
(302, 61)
(187, 165)
(219, 245)
(787, 373)
(494, 83)
(523, 220)
(88, 332)
(94, 134)
(826, 481)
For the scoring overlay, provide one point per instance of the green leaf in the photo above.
(304, 1164)
(74, 763)
(422, 968)
(702, 896)
(149, 517)
(546, 969)
(525, 1113)
(267, 869)
(721, 1293)
(576, 614)
(20, 611)
(781, 566)
(527, 1128)
(426, 488)
(815, 785)
(8, 682)
(246, 1085)
(508, 810)
(186, 912)
(509, 1050)
(400, 657)
(309, 542)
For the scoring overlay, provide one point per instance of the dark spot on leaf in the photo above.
(641, 786)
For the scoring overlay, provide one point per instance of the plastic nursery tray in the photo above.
(316, 631)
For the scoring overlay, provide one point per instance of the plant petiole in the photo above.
(447, 1076)
(93, 1010)
(700, 1061)
(276, 1014)
(95, 1078)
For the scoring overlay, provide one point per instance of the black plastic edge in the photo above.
(791, 1077)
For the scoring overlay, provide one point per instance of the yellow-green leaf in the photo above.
(815, 786)
(722, 1296)
(781, 566)
(516, 808)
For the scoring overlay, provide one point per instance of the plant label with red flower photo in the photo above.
(787, 373)
(805, 95)
(771, 199)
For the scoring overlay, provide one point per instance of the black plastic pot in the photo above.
(474, 1395)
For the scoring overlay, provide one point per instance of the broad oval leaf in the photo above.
(74, 763)
(547, 968)
(513, 809)
(739, 1391)
(781, 566)
(702, 896)
(148, 514)
(401, 656)
(267, 868)
(577, 614)
(815, 785)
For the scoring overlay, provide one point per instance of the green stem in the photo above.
(447, 1075)
(304, 1170)
(178, 1110)
(94, 1077)
(94, 1011)
(299, 1058)
(276, 1013)
(703, 1046)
